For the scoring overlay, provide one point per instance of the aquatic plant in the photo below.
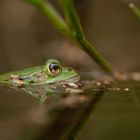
(71, 27)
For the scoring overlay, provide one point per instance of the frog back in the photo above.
(24, 74)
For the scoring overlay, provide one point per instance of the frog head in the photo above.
(56, 73)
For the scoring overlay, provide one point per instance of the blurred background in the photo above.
(28, 39)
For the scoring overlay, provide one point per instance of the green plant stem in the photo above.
(55, 18)
(48, 10)
(135, 9)
(74, 23)
(74, 31)
(72, 18)
(91, 51)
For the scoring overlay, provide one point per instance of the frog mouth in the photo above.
(74, 79)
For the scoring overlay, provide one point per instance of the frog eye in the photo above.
(54, 69)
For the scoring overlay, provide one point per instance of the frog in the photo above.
(52, 72)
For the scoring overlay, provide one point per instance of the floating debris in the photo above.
(73, 85)
(98, 83)
(72, 90)
(126, 89)
(117, 89)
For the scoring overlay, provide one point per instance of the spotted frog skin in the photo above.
(52, 72)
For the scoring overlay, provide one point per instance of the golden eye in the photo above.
(54, 69)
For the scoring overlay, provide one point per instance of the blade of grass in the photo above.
(135, 9)
(91, 51)
(35, 3)
(79, 36)
(76, 33)
(47, 9)
(72, 18)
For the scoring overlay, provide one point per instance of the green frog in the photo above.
(52, 72)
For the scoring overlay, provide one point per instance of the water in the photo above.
(116, 116)
(116, 112)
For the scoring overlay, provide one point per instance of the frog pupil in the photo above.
(53, 67)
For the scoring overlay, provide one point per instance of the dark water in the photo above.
(117, 115)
